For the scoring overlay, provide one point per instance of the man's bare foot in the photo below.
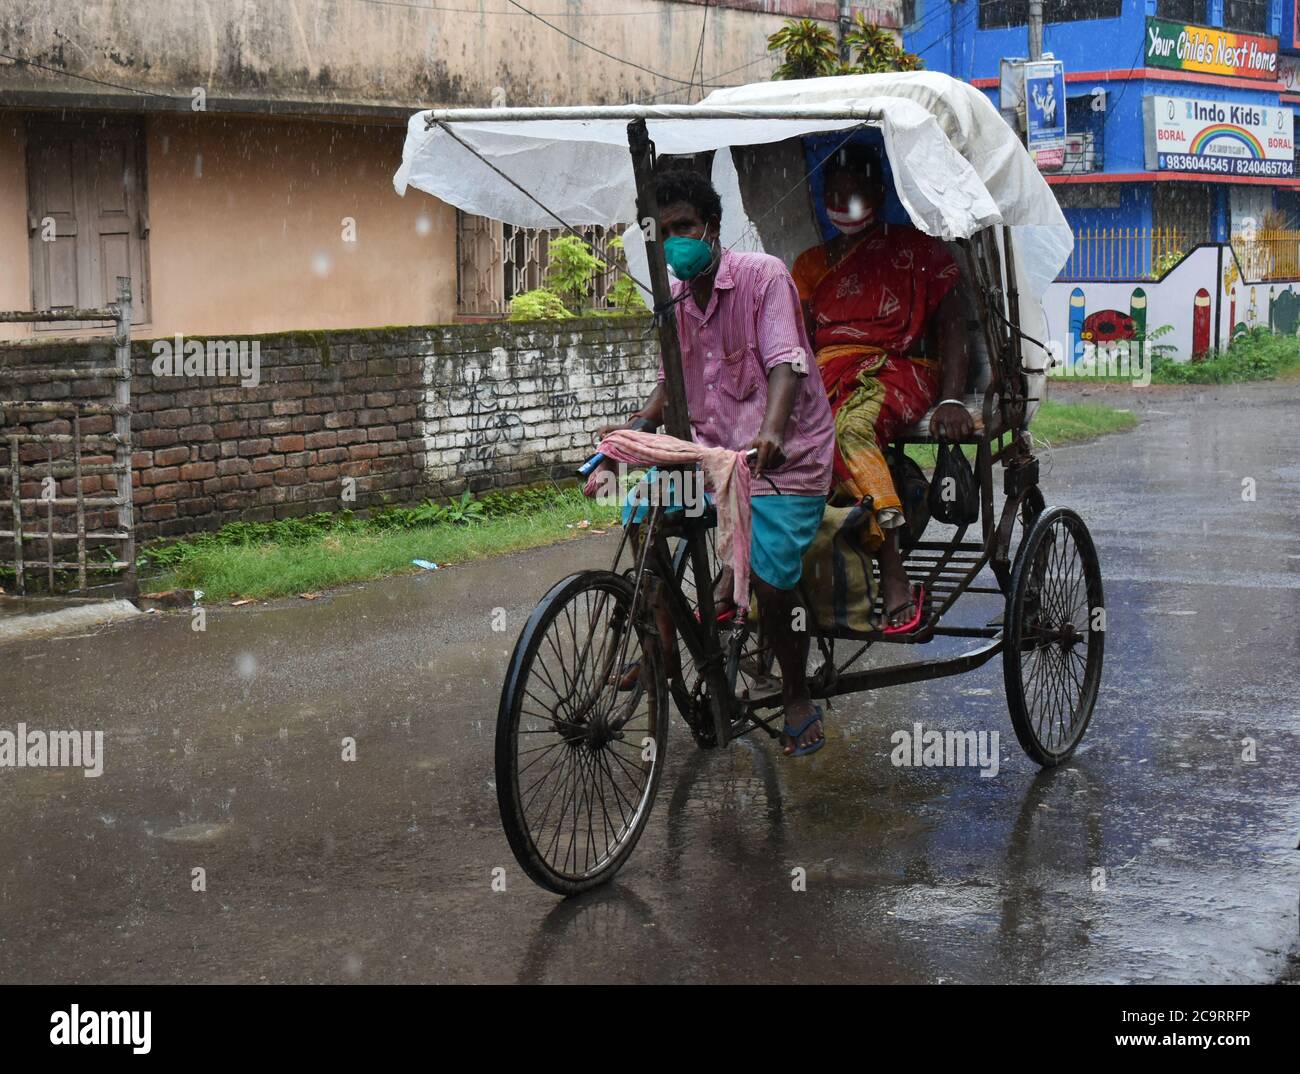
(796, 715)
(723, 594)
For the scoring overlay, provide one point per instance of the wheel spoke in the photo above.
(579, 791)
(1051, 672)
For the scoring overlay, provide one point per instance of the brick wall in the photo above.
(512, 404)
(404, 413)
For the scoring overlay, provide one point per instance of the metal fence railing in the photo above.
(496, 262)
(1268, 255)
(1124, 253)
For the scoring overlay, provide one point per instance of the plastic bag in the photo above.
(954, 492)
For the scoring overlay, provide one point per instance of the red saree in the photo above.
(871, 310)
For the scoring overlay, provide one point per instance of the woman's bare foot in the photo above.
(897, 597)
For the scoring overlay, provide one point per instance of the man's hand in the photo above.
(636, 421)
(951, 421)
(771, 452)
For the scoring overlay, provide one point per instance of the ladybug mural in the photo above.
(1109, 326)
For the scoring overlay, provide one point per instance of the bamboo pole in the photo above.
(49, 521)
(16, 485)
(122, 430)
(81, 503)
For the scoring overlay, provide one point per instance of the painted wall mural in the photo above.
(1202, 302)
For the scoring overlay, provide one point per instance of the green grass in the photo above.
(286, 567)
(1255, 355)
(276, 559)
(1057, 423)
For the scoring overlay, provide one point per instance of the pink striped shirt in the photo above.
(752, 324)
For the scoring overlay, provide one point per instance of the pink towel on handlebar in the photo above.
(726, 475)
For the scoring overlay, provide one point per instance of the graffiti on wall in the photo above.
(484, 408)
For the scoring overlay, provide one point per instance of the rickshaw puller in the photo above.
(746, 360)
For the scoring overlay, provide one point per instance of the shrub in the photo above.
(538, 305)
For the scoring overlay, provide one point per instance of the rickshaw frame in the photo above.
(584, 726)
(1002, 418)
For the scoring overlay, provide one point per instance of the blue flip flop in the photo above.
(803, 751)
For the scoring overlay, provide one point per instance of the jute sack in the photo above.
(839, 583)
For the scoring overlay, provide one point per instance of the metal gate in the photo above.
(37, 461)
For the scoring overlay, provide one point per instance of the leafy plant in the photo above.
(625, 295)
(538, 305)
(1257, 354)
(571, 268)
(464, 510)
(1165, 262)
(1159, 350)
(809, 48)
(875, 50)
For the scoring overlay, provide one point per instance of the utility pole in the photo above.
(842, 26)
(1035, 29)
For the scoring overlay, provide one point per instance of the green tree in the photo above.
(570, 270)
(875, 50)
(809, 48)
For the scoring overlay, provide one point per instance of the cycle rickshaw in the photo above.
(578, 760)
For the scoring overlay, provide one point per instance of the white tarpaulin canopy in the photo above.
(957, 166)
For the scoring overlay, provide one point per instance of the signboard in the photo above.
(1179, 46)
(1288, 72)
(1184, 134)
(1045, 113)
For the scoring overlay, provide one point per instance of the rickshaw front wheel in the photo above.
(581, 734)
(1055, 628)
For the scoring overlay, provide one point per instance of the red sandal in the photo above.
(918, 600)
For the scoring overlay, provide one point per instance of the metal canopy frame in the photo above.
(643, 112)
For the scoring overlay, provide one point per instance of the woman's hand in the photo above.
(951, 421)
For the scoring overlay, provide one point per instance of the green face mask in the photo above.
(687, 257)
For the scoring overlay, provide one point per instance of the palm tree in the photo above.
(810, 50)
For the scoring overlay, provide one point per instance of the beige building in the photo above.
(234, 157)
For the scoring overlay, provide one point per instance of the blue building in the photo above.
(1150, 85)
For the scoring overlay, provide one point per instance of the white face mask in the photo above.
(857, 217)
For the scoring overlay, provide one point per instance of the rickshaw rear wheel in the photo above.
(578, 755)
(1054, 636)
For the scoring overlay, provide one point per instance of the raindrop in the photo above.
(321, 263)
(423, 224)
(246, 665)
(198, 165)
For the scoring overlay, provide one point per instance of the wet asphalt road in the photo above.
(223, 753)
